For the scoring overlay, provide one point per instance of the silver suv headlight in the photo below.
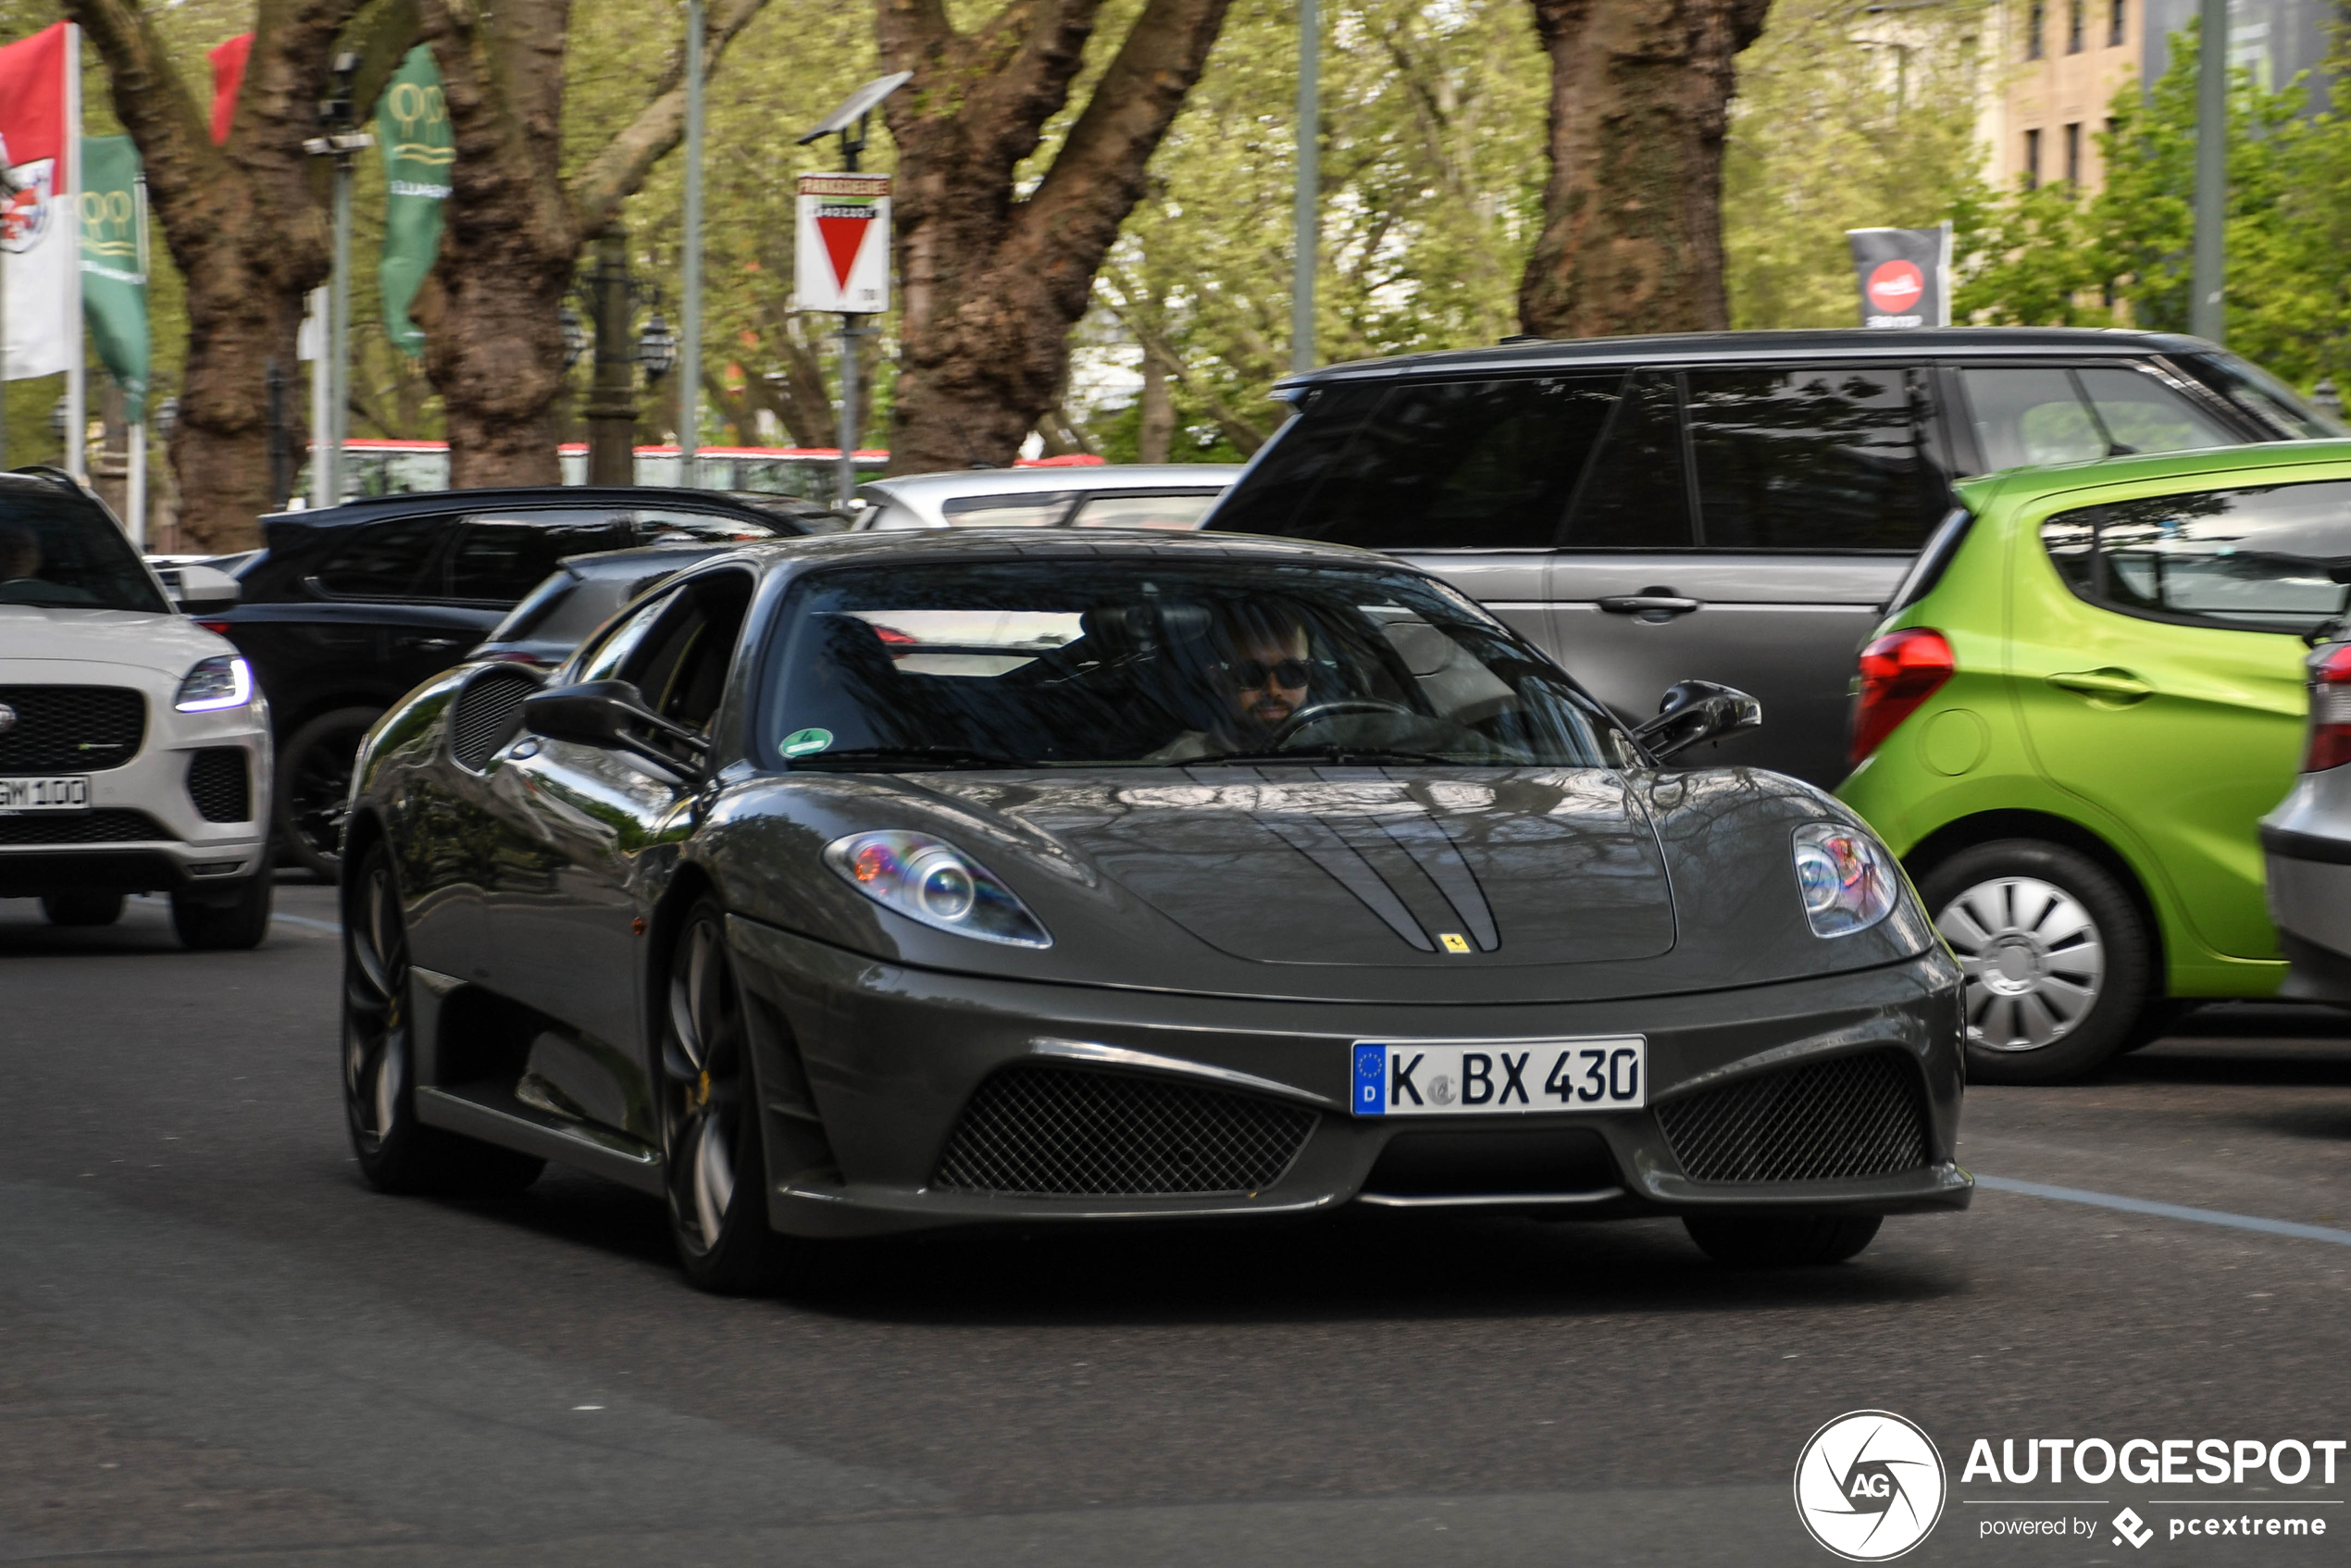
(1848, 879)
(222, 681)
(930, 880)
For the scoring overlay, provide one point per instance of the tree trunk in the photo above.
(245, 221)
(1156, 429)
(993, 285)
(1632, 237)
(514, 230)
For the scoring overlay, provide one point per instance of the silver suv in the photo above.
(134, 748)
(1733, 506)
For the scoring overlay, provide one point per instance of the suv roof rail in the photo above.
(54, 474)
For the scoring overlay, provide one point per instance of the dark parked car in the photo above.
(579, 595)
(350, 606)
(1734, 505)
(897, 880)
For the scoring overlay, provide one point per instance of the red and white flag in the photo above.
(40, 241)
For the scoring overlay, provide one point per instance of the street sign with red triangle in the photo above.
(843, 261)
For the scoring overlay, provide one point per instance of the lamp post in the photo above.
(337, 116)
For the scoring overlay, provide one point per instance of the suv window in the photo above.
(386, 560)
(1824, 458)
(1171, 509)
(1023, 509)
(1636, 496)
(62, 549)
(2026, 414)
(718, 527)
(2257, 559)
(499, 559)
(1463, 465)
(1277, 493)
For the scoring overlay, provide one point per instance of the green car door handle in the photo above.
(2113, 685)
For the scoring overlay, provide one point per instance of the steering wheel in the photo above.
(1320, 711)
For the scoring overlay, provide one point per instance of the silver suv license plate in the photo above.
(67, 793)
(1474, 1078)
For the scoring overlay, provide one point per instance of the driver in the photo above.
(1259, 682)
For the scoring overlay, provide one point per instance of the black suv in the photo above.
(1730, 505)
(351, 607)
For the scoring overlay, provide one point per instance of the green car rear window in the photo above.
(2267, 558)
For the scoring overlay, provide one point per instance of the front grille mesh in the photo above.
(71, 729)
(107, 826)
(488, 712)
(218, 785)
(1846, 1117)
(1057, 1132)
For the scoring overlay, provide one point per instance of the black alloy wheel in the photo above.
(313, 794)
(715, 1164)
(1781, 1240)
(81, 907)
(397, 1153)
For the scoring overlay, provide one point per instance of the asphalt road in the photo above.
(217, 1346)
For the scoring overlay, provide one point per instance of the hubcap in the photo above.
(2033, 958)
(375, 1022)
(703, 1061)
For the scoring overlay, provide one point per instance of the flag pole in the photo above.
(137, 500)
(689, 308)
(77, 369)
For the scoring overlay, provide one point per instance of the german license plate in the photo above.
(1488, 1077)
(67, 793)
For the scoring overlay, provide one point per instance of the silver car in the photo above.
(1134, 496)
(2306, 842)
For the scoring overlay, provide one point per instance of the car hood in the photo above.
(166, 644)
(1341, 867)
(1395, 884)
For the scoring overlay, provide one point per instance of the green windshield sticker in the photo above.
(800, 743)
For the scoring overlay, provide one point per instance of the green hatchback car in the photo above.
(2078, 704)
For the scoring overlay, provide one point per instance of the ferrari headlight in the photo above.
(1847, 880)
(223, 681)
(930, 880)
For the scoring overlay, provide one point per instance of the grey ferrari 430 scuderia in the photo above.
(883, 881)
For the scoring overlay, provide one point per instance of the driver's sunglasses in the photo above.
(1255, 675)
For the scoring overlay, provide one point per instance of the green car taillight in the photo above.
(1899, 671)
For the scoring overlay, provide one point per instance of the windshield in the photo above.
(1152, 662)
(62, 551)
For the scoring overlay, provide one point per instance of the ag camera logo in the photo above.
(1869, 1485)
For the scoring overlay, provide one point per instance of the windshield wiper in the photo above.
(890, 759)
(1333, 753)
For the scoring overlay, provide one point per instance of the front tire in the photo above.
(207, 922)
(2059, 965)
(1781, 1240)
(396, 1153)
(81, 908)
(313, 794)
(713, 1153)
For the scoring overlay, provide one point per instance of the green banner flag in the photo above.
(411, 127)
(114, 263)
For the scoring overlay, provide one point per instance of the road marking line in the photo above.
(2166, 1211)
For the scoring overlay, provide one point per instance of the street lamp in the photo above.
(657, 348)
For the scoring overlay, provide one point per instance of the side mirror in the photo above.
(1693, 711)
(607, 715)
(197, 590)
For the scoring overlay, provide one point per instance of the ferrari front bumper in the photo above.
(896, 1099)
